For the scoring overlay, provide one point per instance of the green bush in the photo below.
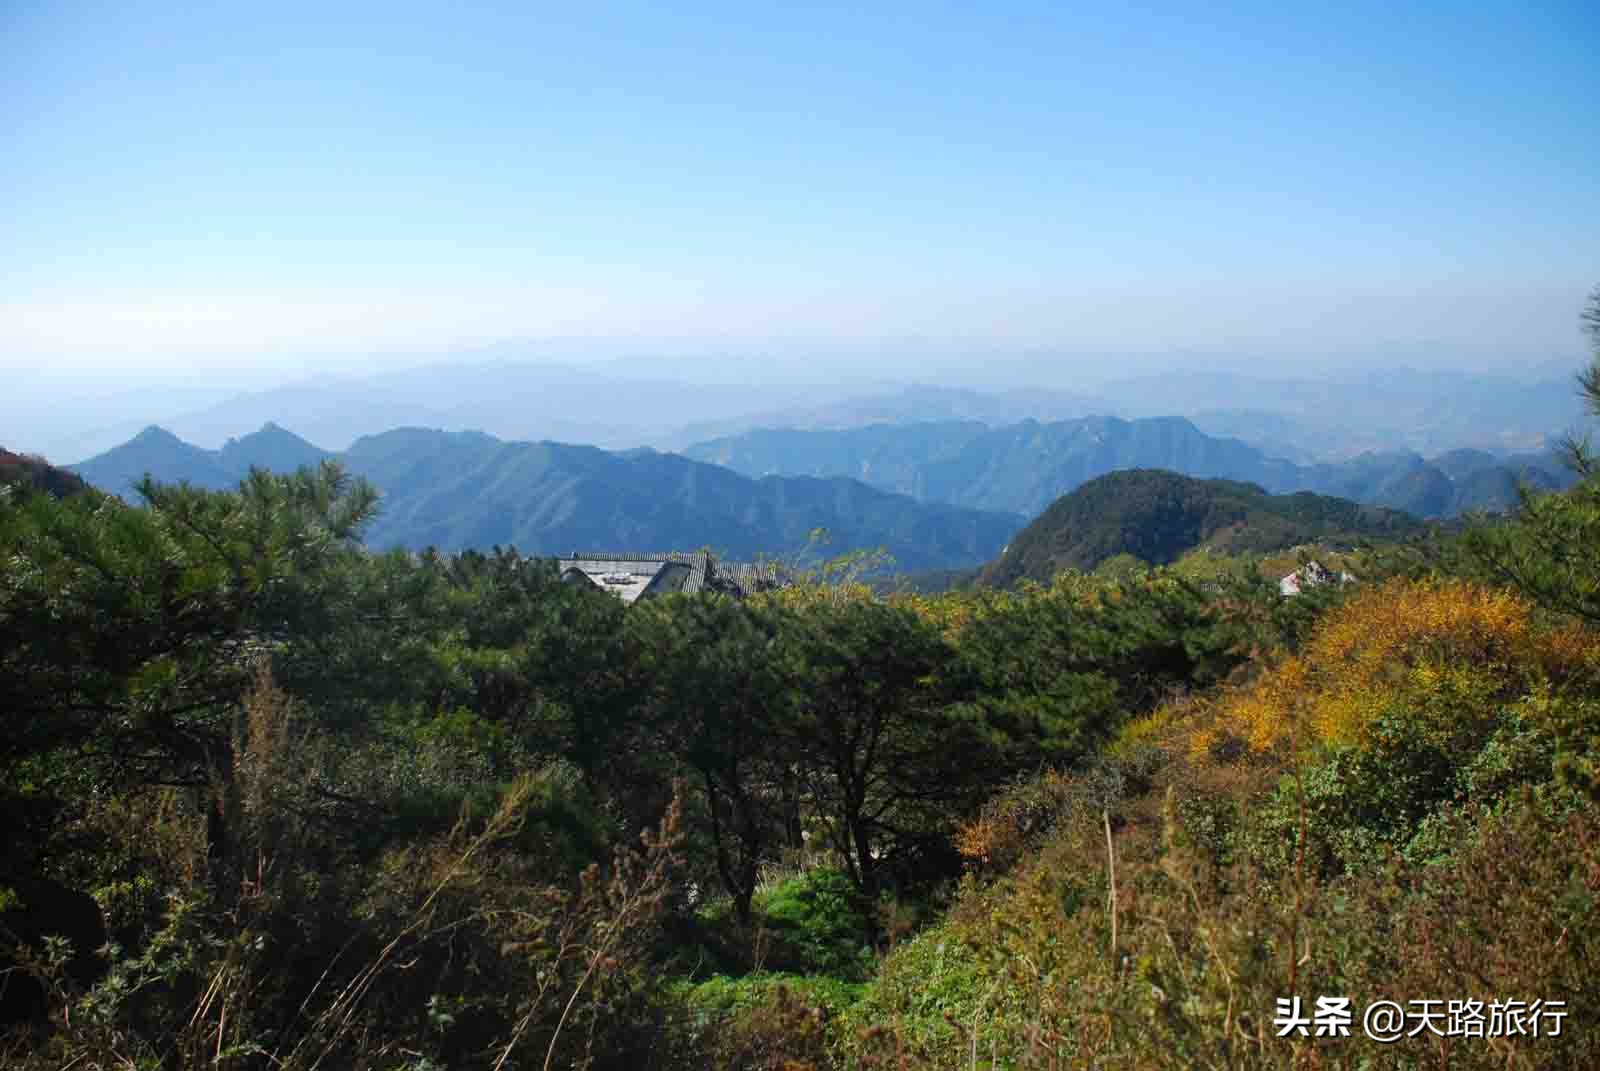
(819, 925)
(933, 976)
(1364, 804)
(783, 1022)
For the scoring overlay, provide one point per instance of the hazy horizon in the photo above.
(69, 425)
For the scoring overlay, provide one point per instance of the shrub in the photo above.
(1020, 976)
(1453, 653)
(819, 924)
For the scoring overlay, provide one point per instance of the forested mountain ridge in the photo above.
(460, 490)
(1157, 516)
(467, 489)
(1024, 467)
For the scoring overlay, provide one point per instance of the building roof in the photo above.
(748, 577)
(1309, 575)
(634, 575)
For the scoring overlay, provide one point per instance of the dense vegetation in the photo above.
(344, 809)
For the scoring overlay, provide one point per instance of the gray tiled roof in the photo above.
(698, 562)
(751, 576)
(634, 574)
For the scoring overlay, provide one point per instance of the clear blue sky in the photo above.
(272, 180)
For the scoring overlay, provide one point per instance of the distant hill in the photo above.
(171, 460)
(456, 490)
(1158, 516)
(271, 448)
(157, 451)
(1024, 467)
(36, 472)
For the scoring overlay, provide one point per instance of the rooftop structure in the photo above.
(1310, 575)
(632, 576)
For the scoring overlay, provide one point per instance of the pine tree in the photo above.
(128, 634)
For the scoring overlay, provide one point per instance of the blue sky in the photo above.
(289, 186)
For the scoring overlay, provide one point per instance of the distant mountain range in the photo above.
(873, 468)
(520, 400)
(1023, 467)
(937, 495)
(1302, 420)
(915, 404)
(455, 490)
(655, 403)
(1159, 516)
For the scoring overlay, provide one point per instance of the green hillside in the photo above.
(1157, 516)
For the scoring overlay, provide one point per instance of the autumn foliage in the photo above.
(1452, 652)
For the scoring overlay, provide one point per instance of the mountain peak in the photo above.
(273, 447)
(155, 433)
(273, 432)
(157, 451)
